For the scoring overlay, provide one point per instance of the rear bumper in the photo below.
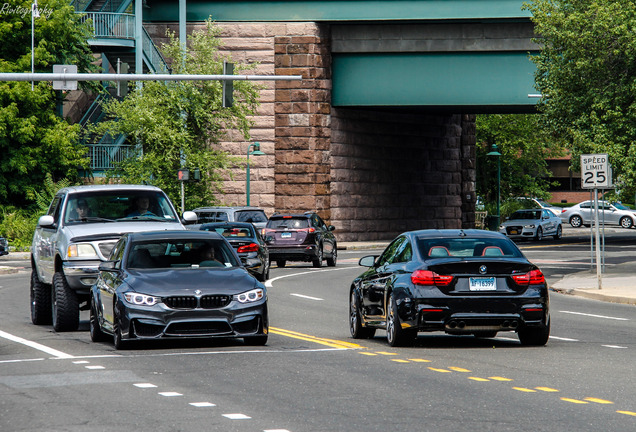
(293, 253)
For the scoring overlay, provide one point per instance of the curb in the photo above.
(595, 296)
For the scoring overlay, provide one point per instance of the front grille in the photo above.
(190, 302)
(198, 328)
(214, 301)
(180, 302)
(514, 228)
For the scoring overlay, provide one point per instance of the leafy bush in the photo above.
(18, 226)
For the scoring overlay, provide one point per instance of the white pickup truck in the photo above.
(81, 227)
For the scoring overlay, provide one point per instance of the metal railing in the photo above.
(154, 59)
(106, 156)
(111, 25)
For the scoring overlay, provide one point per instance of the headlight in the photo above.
(141, 299)
(81, 250)
(250, 296)
(531, 226)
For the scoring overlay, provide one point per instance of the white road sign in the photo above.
(596, 172)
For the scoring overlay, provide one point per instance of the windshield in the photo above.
(526, 215)
(251, 216)
(620, 206)
(112, 205)
(467, 247)
(182, 253)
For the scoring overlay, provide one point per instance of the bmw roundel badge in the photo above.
(482, 269)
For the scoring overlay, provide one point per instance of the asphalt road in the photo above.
(312, 376)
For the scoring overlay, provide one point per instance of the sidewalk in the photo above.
(618, 283)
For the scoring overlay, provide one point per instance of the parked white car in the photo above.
(532, 224)
(582, 214)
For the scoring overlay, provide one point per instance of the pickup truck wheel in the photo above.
(40, 300)
(64, 305)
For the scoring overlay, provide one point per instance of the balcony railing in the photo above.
(106, 156)
(111, 25)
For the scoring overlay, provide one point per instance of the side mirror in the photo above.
(46, 221)
(269, 239)
(367, 261)
(107, 266)
(189, 217)
(331, 228)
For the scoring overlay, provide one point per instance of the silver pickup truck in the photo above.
(81, 227)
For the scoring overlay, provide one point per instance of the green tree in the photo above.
(524, 148)
(586, 73)
(180, 124)
(34, 141)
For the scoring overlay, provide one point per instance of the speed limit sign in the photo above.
(596, 172)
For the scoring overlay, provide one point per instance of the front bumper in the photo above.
(159, 321)
(519, 232)
(81, 275)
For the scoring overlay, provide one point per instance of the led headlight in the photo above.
(250, 296)
(141, 299)
(81, 250)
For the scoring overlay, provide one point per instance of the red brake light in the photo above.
(533, 277)
(427, 277)
(309, 230)
(252, 247)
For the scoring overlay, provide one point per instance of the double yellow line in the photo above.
(322, 341)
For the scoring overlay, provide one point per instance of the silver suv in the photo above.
(254, 215)
(81, 227)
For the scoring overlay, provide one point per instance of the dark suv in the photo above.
(301, 237)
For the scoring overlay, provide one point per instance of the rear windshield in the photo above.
(250, 216)
(182, 253)
(105, 206)
(289, 222)
(467, 247)
(232, 231)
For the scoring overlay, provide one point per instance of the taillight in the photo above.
(252, 247)
(533, 277)
(427, 277)
(309, 230)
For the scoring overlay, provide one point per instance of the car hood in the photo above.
(90, 231)
(520, 222)
(185, 281)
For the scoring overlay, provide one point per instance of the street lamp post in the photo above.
(35, 13)
(256, 152)
(495, 153)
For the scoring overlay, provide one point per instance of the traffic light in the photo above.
(183, 175)
(196, 174)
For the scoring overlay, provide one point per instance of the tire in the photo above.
(626, 222)
(118, 341)
(576, 221)
(539, 235)
(40, 300)
(559, 233)
(64, 305)
(281, 263)
(317, 262)
(395, 334)
(535, 336)
(262, 277)
(355, 320)
(255, 340)
(333, 259)
(97, 335)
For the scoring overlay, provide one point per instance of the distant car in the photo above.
(253, 215)
(248, 243)
(455, 281)
(532, 224)
(539, 203)
(4, 246)
(176, 284)
(582, 214)
(301, 237)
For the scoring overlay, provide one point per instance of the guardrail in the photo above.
(105, 156)
(111, 25)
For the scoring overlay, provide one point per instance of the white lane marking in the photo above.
(170, 394)
(145, 385)
(81, 362)
(202, 404)
(35, 345)
(276, 430)
(94, 367)
(237, 416)
(615, 346)
(22, 360)
(306, 297)
(268, 284)
(595, 316)
(564, 339)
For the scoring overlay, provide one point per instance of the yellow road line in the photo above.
(478, 379)
(386, 353)
(419, 360)
(525, 390)
(439, 370)
(458, 369)
(574, 401)
(598, 401)
(400, 361)
(498, 378)
(547, 389)
(322, 341)
(631, 413)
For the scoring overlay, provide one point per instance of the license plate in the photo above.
(285, 235)
(482, 284)
(514, 232)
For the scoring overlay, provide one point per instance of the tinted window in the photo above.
(250, 216)
(467, 247)
(232, 231)
(526, 215)
(288, 222)
(392, 251)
